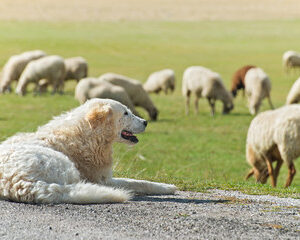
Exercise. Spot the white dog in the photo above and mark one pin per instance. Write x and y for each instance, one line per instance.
(69, 160)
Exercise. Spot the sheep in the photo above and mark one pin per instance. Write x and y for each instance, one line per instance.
(205, 83)
(290, 59)
(89, 88)
(14, 67)
(51, 68)
(161, 80)
(294, 93)
(136, 92)
(76, 68)
(257, 87)
(274, 136)
(238, 79)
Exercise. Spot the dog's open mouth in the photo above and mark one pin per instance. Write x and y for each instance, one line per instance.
(129, 136)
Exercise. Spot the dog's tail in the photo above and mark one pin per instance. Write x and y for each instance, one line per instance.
(78, 193)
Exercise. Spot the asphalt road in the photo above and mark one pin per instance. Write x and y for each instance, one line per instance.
(186, 215)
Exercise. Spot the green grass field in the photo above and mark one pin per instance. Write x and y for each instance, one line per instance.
(194, 152)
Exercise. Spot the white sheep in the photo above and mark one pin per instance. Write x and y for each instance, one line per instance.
(161, 80)
(51, 68)
(257, 87)
(294, 93)
(274, 136)
(14, 67)
(136, 92)
(205, 83)
(76, 68)
(89, 88)
(290, 59)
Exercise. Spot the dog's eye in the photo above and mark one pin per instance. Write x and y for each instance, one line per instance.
(126, 113)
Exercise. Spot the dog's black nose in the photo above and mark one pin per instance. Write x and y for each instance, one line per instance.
(145, 123)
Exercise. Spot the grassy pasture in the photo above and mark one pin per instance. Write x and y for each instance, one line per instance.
(194, 152)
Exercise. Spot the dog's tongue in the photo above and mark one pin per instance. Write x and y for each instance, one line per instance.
(126, 133)
(129, 136)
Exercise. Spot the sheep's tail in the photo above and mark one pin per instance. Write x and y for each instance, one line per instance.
(78, 193)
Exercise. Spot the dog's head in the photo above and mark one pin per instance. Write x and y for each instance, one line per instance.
(115, 119)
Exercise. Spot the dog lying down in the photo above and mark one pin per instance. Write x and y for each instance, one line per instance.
(69, 160)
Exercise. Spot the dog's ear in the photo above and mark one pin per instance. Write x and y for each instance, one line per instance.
(98, 115)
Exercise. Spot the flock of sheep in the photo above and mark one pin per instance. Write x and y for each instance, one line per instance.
(273, 136)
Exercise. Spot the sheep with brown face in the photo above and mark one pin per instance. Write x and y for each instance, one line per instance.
(238, 79)
(274, 136)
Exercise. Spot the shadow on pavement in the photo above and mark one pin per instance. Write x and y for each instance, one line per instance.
(175, 200)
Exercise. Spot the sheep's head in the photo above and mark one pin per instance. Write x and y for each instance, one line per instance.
(261, 175)
(153, 113)
(228, 104)
(234, 92)
(227, 108)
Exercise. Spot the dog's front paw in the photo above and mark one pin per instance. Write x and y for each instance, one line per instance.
(169, 188)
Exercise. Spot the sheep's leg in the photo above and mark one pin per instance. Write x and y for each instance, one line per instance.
(250, 173)
(55, 87)
(292, 172)
(196, 104)
(270, 102)
(271, 171)
(187, 102)
(36, 90)
(61, 87)
(9, 89)
(212, 105)
(277, 169)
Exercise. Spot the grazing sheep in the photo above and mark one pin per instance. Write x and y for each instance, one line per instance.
(161, 80)
(14, 67)
(89, 88)
(290, 59)
(51, 68)
(76, 68)
(205, 83)
(238, 80)
(274, 136)
(294, 93)
(258, 87)
(136, 92)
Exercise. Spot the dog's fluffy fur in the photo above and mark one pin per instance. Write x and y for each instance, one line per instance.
(69, 160)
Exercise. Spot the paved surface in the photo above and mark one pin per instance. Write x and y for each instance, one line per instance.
(186, 215)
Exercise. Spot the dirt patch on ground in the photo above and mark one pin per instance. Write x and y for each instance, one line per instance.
(166, 10)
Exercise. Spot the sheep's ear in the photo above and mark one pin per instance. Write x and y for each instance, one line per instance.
(98, 115)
